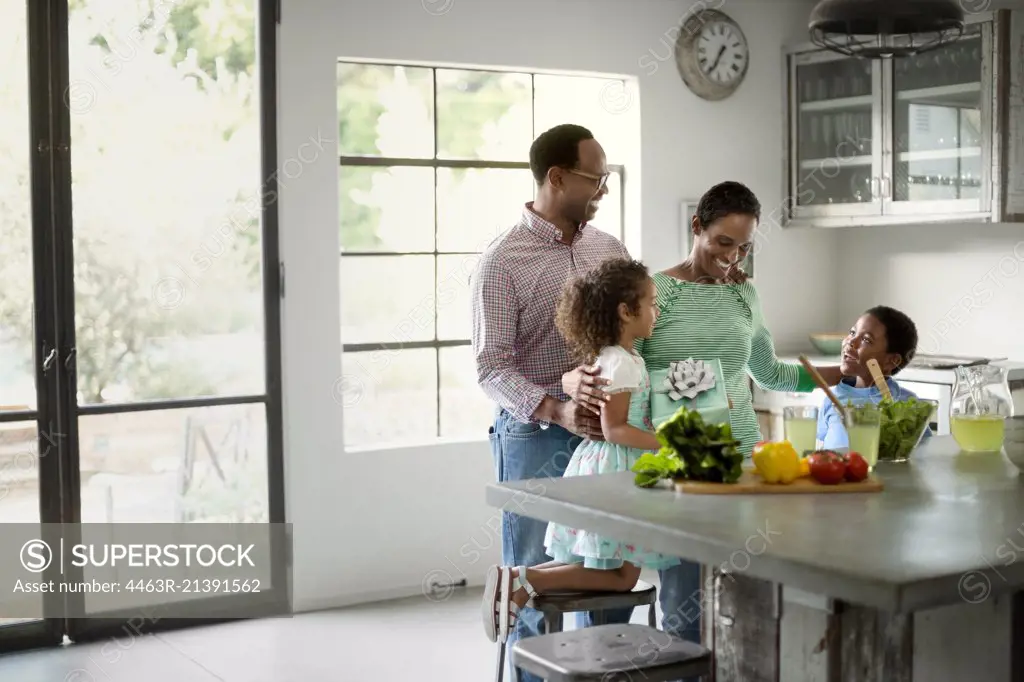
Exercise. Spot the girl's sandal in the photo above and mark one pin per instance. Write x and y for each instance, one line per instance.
(489, 606)
(509, 611)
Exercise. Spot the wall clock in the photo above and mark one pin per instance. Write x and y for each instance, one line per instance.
(712, 54)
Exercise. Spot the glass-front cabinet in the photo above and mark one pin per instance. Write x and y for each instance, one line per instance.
(836, 148)
(938, 103)
(897, 140)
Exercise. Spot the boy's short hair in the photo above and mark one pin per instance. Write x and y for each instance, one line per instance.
(900, 333)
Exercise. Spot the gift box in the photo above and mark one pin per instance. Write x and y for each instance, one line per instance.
(694, 384)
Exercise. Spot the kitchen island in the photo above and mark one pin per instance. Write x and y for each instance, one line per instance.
(918, 582)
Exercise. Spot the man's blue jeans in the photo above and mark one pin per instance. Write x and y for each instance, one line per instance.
(526, 451)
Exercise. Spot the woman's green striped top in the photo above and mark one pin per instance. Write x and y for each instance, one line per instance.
(724, 321)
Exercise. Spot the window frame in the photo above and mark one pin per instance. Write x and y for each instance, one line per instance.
(436, 164)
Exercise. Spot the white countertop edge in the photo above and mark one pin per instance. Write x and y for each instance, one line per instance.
(1014, 369)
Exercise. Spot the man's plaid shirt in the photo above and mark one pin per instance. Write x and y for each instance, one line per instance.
(520, 356)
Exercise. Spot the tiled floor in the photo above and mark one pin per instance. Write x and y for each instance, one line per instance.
(401, 640)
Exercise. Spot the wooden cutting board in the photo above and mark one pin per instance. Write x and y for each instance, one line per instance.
(752, 484)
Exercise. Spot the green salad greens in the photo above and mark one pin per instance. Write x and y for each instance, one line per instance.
(693, 450)
(653, 467)
(903, 422)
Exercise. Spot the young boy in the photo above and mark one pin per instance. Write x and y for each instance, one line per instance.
(882, 333)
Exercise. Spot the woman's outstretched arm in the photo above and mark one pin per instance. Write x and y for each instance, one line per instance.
(766, 368)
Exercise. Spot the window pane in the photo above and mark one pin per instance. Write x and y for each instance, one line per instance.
(387, 299)
(19, 491)
(19, 475)
(200, 465)
(484, 115)
(17, 333)
(206, 464)
(603, 105)
(386, 209)
(167, 235)
(475, 205)
(453, 299)
(609, 215)
(465, 411)
(389, 396)
(385, 111)
(19, 471)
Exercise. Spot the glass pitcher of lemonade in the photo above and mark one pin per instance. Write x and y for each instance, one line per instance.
(980, 407)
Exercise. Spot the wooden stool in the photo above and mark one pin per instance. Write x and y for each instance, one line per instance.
(555, 605)
(611, 653)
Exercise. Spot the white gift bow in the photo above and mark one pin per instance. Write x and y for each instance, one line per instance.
(688, 379)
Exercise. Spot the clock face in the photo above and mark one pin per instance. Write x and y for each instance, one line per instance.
(722, 53)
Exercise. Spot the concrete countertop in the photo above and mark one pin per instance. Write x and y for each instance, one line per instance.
(940, 533)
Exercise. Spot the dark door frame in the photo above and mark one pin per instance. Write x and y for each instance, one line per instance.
(56, 379)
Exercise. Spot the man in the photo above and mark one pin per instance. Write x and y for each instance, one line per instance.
(520, 356)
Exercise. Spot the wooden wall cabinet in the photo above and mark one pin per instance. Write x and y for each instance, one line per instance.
(934, 138)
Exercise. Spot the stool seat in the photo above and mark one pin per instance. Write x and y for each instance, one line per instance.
(571, 602)
(554, 604)
(611, 653)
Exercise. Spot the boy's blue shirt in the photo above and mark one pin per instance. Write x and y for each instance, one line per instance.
(830, 425)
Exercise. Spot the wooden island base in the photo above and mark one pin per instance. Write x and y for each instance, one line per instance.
(764, 632)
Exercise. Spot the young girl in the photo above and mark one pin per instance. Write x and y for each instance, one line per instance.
(600, 315)
(886, 335)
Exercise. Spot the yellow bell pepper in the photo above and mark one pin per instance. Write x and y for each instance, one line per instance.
(777, 462)
(805, 467)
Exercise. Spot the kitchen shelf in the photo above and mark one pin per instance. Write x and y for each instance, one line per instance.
(812, 164)
(943, 95)
(862, 102)
(933, 154)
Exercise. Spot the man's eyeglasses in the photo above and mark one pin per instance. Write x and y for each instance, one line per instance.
(601, 180)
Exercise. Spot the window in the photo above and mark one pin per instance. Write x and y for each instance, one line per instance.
(434, 165)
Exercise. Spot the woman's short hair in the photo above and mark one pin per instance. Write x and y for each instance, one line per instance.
(727, 198)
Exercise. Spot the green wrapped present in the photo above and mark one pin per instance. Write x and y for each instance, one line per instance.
(694, 384)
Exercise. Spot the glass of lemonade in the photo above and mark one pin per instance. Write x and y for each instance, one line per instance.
(864, 431)
(801, 425)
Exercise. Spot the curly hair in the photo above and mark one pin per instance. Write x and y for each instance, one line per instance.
(588, 310)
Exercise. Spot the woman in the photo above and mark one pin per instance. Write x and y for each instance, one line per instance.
(708, 310)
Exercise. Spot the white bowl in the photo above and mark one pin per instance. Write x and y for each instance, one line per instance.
(1013, 443)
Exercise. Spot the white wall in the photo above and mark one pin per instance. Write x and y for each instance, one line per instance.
(962, 284)
(380, 524)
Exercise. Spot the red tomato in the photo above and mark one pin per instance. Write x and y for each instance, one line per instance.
(856, 467)
(827, 467)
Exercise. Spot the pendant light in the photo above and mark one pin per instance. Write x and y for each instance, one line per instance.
(877, 29)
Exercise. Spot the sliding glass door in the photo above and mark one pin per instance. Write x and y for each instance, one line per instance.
(156, 276)
(28, 457)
